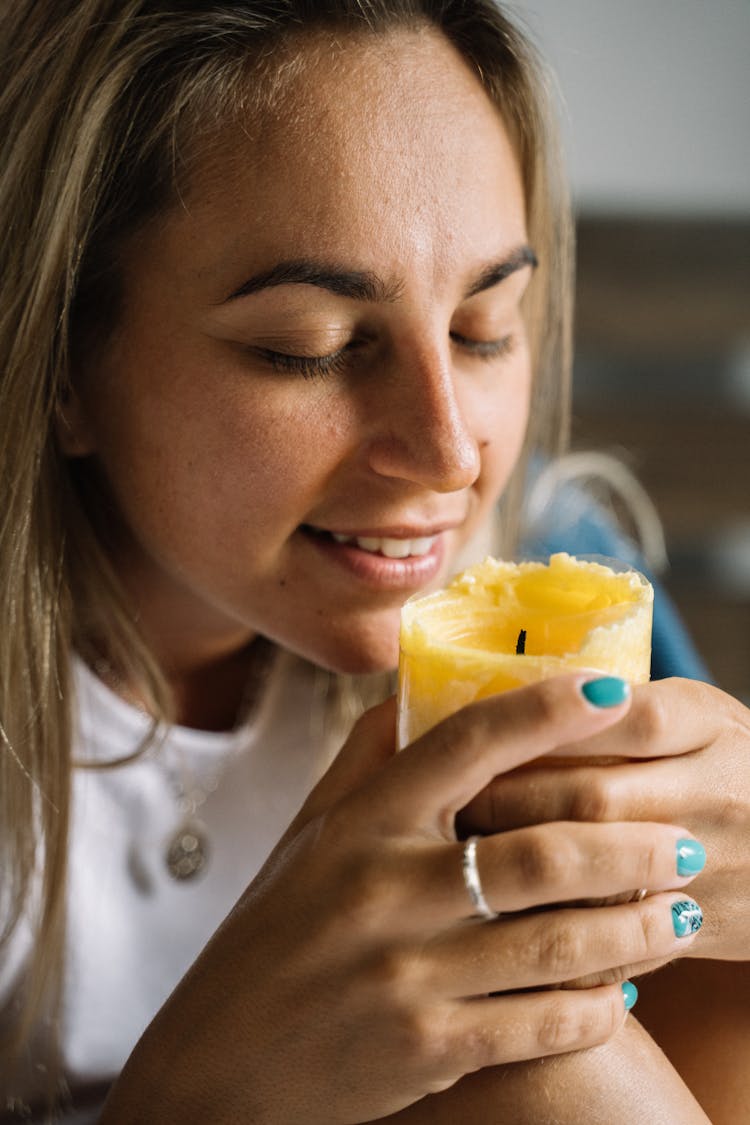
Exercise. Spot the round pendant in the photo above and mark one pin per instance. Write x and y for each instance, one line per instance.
(187, 853)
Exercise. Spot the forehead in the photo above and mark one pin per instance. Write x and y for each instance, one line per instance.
(386, 137)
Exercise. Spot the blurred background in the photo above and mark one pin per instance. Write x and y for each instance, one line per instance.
(655, 97)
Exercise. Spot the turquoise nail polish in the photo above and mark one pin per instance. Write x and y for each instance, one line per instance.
(629, 994)
(691, 857)
(687, 917)
(608, 691)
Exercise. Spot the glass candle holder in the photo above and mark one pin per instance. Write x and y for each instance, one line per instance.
(501, 625)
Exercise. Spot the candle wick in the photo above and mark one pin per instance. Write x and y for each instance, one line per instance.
(521, 643)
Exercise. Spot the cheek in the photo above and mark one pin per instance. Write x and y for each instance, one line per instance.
(213, 454)
(502, 433)
(254, 469)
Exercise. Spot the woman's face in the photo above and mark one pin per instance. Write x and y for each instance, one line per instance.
(319, 382)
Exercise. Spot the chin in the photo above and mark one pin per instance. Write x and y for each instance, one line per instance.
(354, 662)
(354, 652)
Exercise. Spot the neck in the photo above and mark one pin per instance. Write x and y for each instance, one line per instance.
(218, 695)
(212, 695)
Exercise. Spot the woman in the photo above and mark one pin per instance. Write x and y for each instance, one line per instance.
(285, 318)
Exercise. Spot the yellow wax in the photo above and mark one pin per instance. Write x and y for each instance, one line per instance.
(460, 644)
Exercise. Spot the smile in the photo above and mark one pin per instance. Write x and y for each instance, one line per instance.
(388, 546)
(396, 563)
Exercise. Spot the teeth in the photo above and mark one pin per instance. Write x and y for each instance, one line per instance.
(391, 548)
(366, 543)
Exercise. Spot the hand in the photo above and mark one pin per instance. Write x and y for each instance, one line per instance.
(688, 746)
(351, 980)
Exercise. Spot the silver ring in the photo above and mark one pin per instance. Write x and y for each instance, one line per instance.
(638, 896)
(473, 883)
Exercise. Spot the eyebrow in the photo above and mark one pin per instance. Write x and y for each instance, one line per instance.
(498, 271)
(364, 285)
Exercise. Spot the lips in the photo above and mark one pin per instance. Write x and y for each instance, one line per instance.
(398, 563)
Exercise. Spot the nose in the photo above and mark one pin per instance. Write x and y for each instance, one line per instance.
(423, 431)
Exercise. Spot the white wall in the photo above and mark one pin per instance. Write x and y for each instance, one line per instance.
(657, 96)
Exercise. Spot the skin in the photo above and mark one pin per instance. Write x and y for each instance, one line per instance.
(625, 1080)
(218, 460)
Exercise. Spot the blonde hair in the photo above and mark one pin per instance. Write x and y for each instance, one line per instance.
(100, 103)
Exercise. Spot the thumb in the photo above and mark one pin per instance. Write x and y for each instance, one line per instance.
(370, 745)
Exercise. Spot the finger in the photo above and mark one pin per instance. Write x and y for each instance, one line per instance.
(437, 775)
(658, 790)
(496, 1030)
(565, 862)
(544, 793)
(667, 717)
(553, 946)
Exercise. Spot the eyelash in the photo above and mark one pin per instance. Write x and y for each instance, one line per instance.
(486, 349)
(320, 366)
(309, 366)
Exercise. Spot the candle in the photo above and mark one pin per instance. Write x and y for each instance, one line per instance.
(501, 625)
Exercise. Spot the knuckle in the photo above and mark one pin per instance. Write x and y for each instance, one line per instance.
(468, 728)
(593, 800)
(482, 1045)
(648, 864)
(395, 978)
(544, 703)
(567, 1024)
(423, 1036)
(650, 719)
(559, 1027)
(545, 859)
(560, 949)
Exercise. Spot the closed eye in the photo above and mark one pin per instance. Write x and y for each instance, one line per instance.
(485, 349)
(309, 366)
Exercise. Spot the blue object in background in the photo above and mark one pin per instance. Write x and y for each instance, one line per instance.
(575, 523)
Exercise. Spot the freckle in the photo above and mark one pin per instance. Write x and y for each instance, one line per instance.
(484, 444)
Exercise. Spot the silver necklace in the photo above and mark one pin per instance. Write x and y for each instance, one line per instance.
(188, 849)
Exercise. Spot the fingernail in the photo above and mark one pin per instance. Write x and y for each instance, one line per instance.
(608, 691)
(629, 994)
(691, 857)
(687, 917)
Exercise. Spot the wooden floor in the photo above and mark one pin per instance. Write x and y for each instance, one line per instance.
(663, 380)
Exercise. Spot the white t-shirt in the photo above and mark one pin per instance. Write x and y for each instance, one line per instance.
(133, 929)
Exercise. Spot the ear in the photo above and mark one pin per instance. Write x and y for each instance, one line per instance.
(72, 428)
